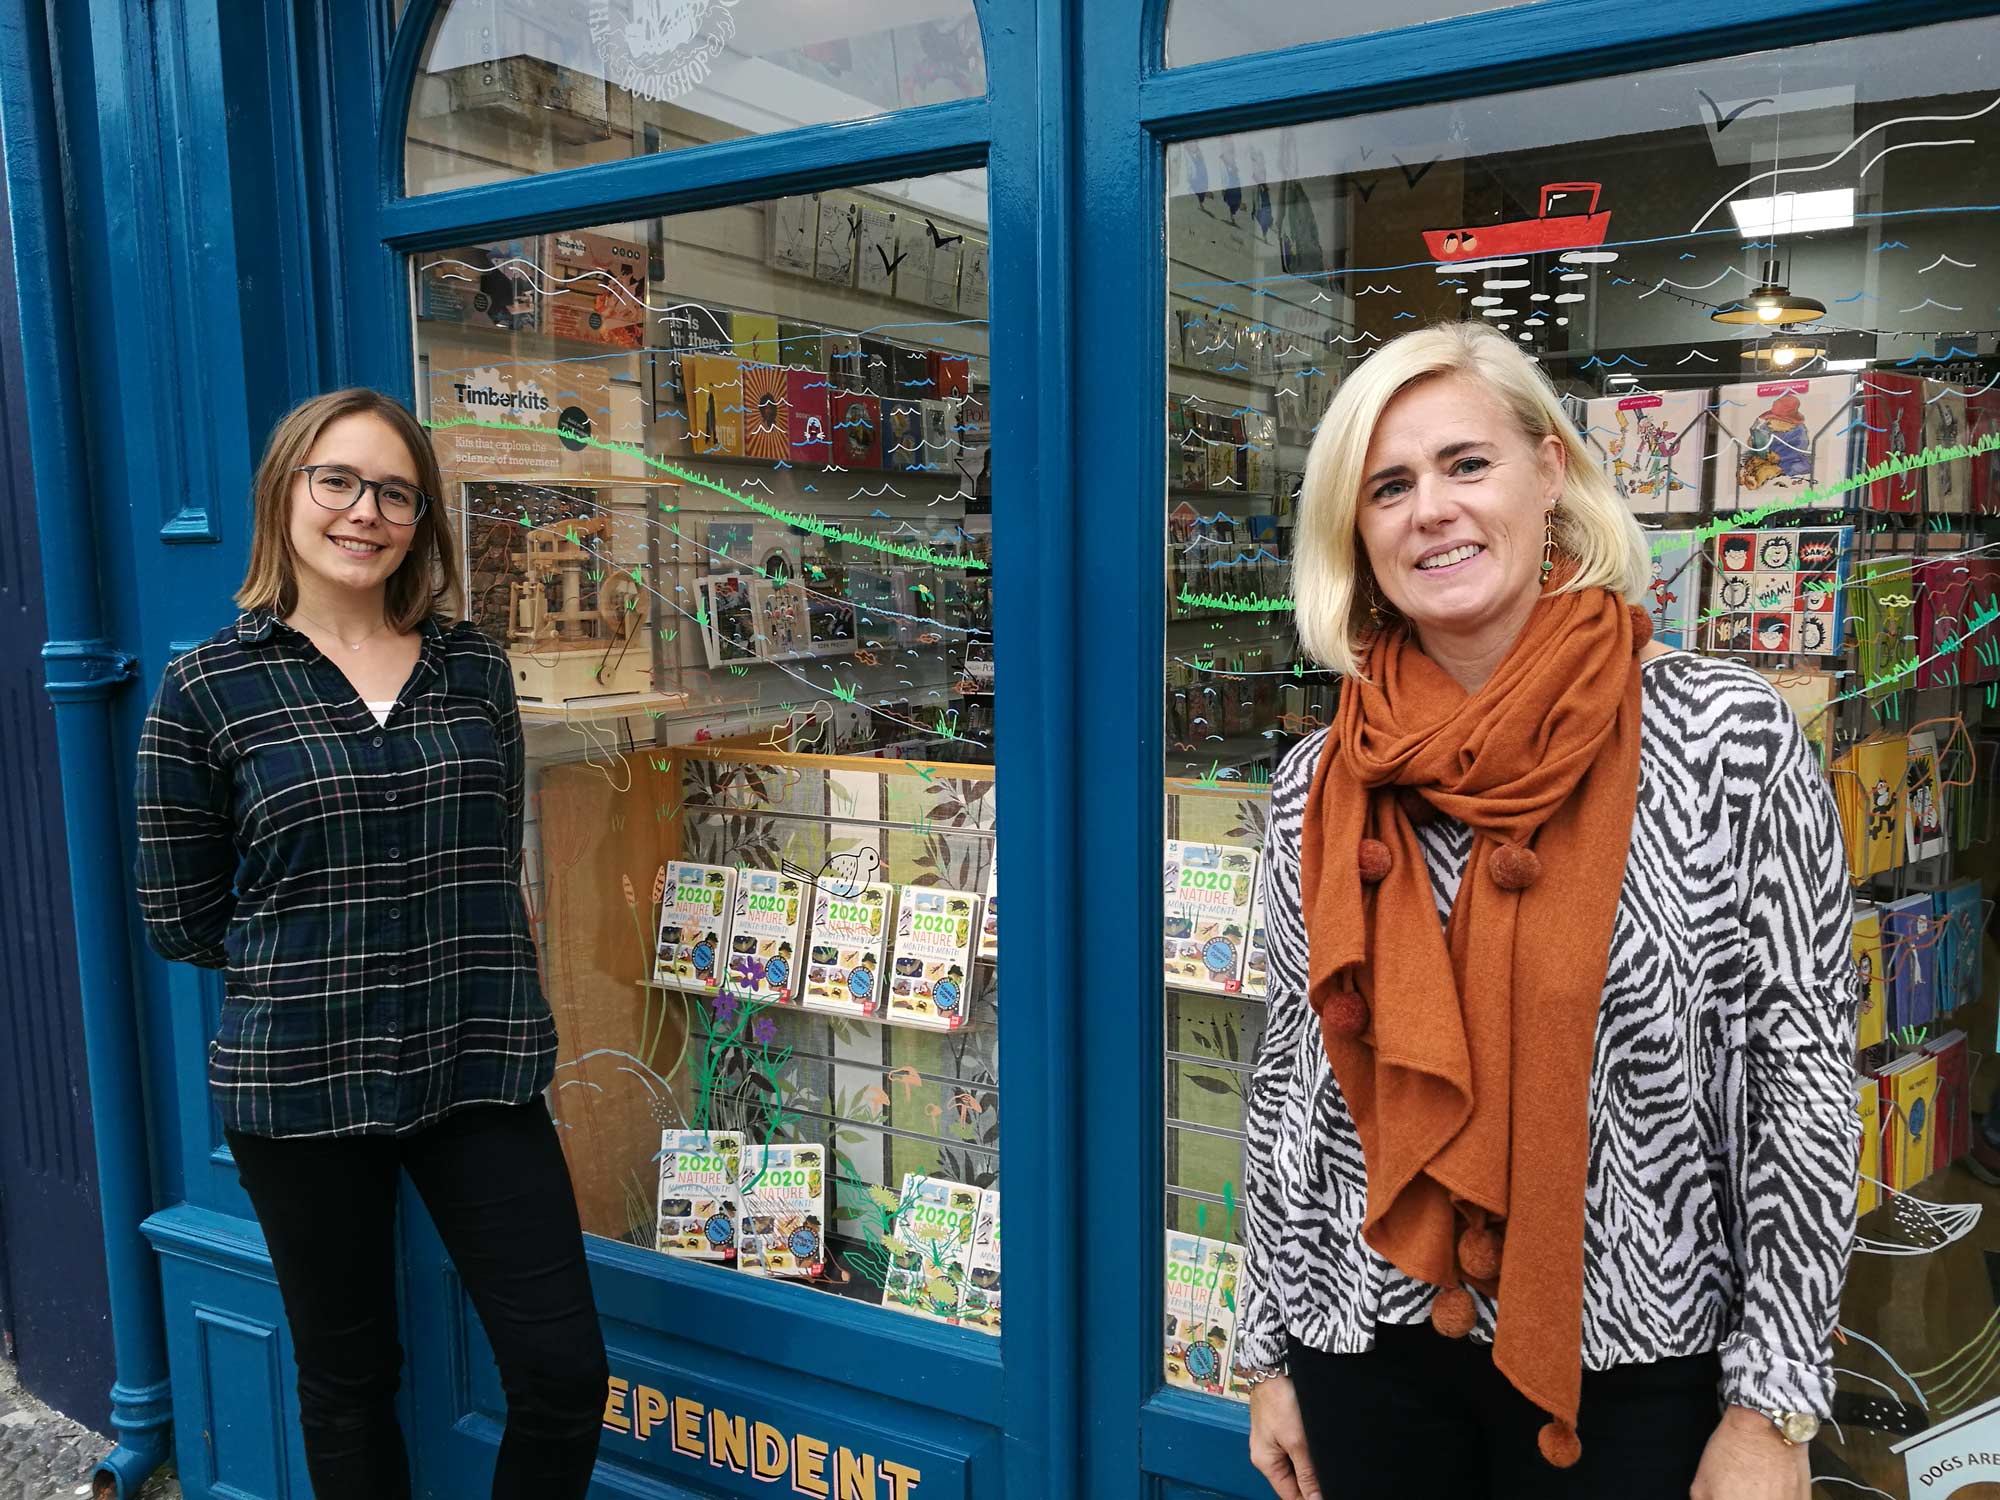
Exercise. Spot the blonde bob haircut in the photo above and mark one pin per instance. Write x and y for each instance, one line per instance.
(427, 581)
(1329, 574)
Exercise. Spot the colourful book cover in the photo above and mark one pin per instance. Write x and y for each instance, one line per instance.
(766, 420)
(1868, 790)
(850, 929)
(1208, 891)
(979, 1306)
(1651, 447)
(1892, 407)
(1256, 957)
(952, 375)
(1944, 599)
(1952, 1133)
(1958, 963)
(1782, 589)
(932, 965)
(1884, 623)
(1948, 482)
(1982, 416)
(694, 924)
(902, 434)
(1868, 1104)
(808, 417)
(783, 1222)
(699, 1171)
(714, 404)
(989, 916)
(1809, 695)
(857, 431)
(766, 936)
(1909, 956)
(801, 346)
(754, 338)
(1923, 804)
(875, 368)
(1915, 1124)
(1201, 1310)
(597, 289)
(1872, 1024)
(930, 1247)
(844, 365)
(1674, 594)
(1776, 439)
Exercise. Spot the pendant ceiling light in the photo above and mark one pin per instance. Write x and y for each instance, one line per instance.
(1771, 305)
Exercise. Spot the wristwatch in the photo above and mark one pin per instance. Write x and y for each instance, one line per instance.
(1795, 1427)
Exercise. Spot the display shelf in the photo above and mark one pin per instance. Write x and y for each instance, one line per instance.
(986, 967)
(610, 706)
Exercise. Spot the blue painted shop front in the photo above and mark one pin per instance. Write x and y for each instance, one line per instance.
(215, 217)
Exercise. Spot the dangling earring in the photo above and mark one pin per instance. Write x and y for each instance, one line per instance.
(1548, 542)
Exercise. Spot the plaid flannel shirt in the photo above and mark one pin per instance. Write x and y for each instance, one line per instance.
(359, 882)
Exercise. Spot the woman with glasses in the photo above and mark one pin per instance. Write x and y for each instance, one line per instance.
(330, 811)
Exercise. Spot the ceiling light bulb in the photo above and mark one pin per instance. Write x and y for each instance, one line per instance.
(1769, 312)
(1783, 355)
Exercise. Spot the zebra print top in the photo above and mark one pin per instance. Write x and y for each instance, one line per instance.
(1724, 1139)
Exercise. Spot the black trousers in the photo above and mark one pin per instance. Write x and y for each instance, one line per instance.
(1424, 1417)
(496, 1186)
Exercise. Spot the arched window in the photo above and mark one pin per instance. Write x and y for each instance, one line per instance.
(511, 88)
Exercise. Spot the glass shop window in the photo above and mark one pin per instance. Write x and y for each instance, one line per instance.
(1200, 31)
(722, 483)
(1763, 286)
(510, 88)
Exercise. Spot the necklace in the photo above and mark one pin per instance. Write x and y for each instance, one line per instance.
(350, 645)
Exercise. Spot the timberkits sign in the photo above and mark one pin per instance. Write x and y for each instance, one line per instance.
(750, 1444)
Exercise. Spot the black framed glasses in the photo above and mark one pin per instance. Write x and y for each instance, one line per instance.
(337, 487)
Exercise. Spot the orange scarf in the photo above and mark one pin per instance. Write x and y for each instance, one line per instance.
(1464, 1052)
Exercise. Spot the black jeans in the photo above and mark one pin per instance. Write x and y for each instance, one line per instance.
(494, 1181)
(1424, 1417)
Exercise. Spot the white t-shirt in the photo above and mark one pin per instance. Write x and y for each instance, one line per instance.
(380, 710)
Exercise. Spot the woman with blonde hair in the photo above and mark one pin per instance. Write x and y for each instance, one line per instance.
(1552, 1136)
(330, 811)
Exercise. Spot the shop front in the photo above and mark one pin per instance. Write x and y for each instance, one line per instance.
(818, 391)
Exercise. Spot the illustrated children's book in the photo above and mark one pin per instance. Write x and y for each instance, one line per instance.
(1923, 805)
(783, 1197)
(979, 1307)
(1675, 592)
(1201, 1310)
(767, 936)
(694, 922)
(1960, 908)
(930, 1247)
(989, 917)
(1868, 790)
(1947, 482)
(1909, 1109)
(1810, 697)
(1651, 447)
(1781, 590)
(714, 387)
(1868, 1104)
(699, 1171)
(1892, 414)
(1885, 620)
(1909, 955)
(1777, 439)
(1952, 1134)
(1208, 889)
(1873, 1022)
(931, 978)
(844, 961)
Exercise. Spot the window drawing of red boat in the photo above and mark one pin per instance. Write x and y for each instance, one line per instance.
(1522, 236)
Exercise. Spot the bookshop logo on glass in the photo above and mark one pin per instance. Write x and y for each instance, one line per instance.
(660, 49)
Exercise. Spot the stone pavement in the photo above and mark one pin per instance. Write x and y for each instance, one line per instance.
(44, 1455)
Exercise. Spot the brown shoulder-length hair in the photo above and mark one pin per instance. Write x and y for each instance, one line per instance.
(427, 581)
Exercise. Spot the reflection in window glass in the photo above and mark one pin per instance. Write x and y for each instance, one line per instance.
(722, 482)
(1762, 285)
(1200, 31)
(509, 88)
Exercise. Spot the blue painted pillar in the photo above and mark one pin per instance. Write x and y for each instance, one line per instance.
(84, 671)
